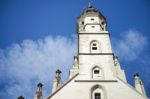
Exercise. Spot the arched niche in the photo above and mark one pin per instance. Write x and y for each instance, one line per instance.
(95, 47)
(98, 92)
(97, 72)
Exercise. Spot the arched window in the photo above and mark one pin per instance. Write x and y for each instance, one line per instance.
(95, 47)
(96, 72)
(97, 92)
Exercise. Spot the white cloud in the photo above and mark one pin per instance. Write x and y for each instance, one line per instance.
(23, 65)
(130, 45)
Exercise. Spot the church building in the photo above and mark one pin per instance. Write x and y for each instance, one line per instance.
(96, 72)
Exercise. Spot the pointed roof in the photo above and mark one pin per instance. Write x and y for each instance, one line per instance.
(39, 84)
(90, 10)
(136, 74)
(20, 97)
(58, 71)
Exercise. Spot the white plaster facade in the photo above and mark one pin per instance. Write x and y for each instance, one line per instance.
(96, 72)
(83, 89)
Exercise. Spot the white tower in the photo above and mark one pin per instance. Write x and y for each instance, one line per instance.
(94, 49)
(96, 71)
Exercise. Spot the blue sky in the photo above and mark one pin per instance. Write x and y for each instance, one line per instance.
(31, 29)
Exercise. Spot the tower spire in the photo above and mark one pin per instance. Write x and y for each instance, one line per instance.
(120, 73)
(75, 68)
(57, 81)
(139, 84)
(90, 4)
(38, 94)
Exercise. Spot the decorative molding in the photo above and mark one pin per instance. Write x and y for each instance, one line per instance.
(96, 81)
(95, 53)
(94, 33)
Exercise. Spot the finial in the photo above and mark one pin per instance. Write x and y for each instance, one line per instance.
(90, 5)
(58, 71)
(75, 57)
(115, 57)
(136, 74)
(20, 97)
(39, 84)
